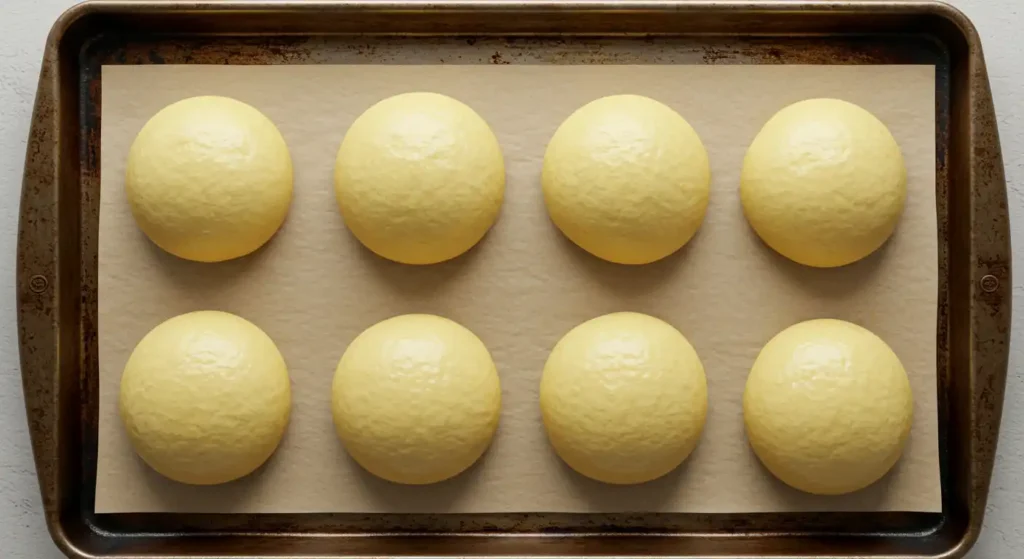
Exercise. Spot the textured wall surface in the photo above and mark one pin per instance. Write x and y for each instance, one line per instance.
(23, 28)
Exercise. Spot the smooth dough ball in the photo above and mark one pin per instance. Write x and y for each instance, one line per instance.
(205, 397)
(623, 398)
(823, 183)
(209, 179)
(416, 399)
(827, 407)
(626, 179)
(419, 178)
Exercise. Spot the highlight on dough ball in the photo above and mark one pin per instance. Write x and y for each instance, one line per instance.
(419, 178)
(205, 397)
(626, 179)
(416, 399)
(828, 407)
(209, 179)
(623, 398)
(823, 183)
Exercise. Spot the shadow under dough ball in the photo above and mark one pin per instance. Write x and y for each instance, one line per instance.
(827, 407)
(205, 397)
(416, 399)
(623, 398)
(627, 179)
(823, 183)
(209, 179)
(419, 178)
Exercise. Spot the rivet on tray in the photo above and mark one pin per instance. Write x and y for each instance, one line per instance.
(989, 283)
(38, 284)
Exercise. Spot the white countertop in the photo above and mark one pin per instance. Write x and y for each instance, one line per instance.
(23, 28)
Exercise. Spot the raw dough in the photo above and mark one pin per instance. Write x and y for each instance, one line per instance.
(205, 397)
(416, 399)
(419, 178)
(823, 183)
(209, 179)
(627, 179)
(623, 397)
(827, 407)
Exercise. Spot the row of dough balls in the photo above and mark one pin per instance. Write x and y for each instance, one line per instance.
(416, 399)
(420, 179)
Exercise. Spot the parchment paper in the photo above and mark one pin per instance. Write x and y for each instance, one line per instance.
(313, 288)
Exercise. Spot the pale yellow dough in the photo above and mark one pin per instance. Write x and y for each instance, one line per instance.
(623, 398)
(823, 183)
(419, 178)
(209, 179)
(416, 399)
(205, 397)
(627, 179)
(827, 407)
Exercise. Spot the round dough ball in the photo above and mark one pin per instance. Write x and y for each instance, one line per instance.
(823, 183)
(205, 397)
(626, 179)
(623, 397)
(416, 399)
(209, 179)
(419, 178)
(827, 407)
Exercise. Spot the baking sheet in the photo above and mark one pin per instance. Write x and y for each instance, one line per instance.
(313, 288)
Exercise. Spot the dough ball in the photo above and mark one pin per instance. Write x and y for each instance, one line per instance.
(205, 397)
(419, 178)
(627, 179)
(827, 407)
(623, 398)
(209, 179)
(416, 399)
(823, 183)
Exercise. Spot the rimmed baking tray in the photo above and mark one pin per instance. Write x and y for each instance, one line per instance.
(57, 265)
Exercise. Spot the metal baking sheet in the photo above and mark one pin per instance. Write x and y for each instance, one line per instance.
(58, 272)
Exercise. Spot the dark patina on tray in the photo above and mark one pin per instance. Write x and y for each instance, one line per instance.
(57, 265)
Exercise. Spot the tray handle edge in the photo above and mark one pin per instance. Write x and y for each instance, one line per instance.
(990, 288)
(37, 285)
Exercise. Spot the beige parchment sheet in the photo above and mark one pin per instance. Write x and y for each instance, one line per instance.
(313, 288)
